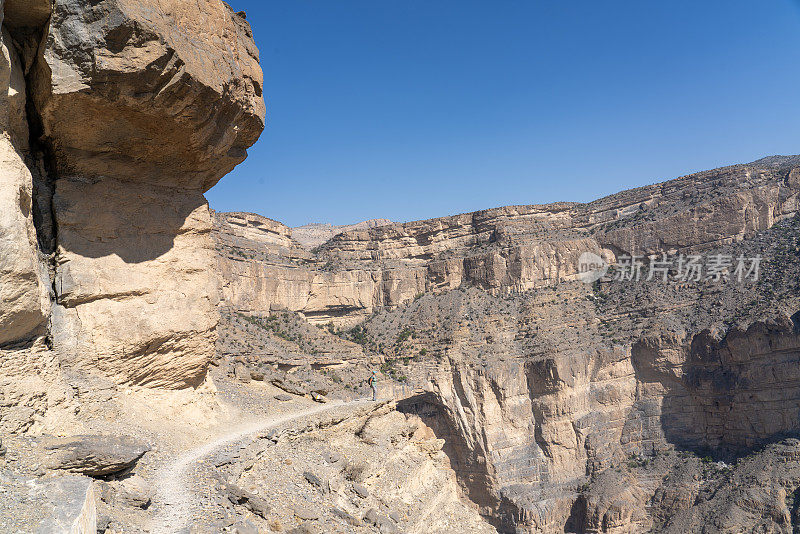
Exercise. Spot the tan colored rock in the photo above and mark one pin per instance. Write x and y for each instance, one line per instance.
(266, 233)
(33, 397)
(135, 284)
(24, 299)
(559, 404)
(13, 118)
(315, 234)
(167, 92)
(726, 219)
(409, 481)
(503, 250)
(144, 106)
(359, 272)
(723, 391)
(95, 455)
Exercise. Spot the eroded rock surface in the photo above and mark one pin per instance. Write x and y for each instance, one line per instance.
(566, 406)
(23, 280)
(315, 234)
(58, 504)
(167, 92)
(171, 96)
(501, 250)
(382, 471)
(553, 405)
(95, 456)
(117, 116)
(136, 289)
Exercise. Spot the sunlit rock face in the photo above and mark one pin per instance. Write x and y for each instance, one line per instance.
(164, 92)
(117, 116)
(136, 286)
(501, 250)
(24, 300)
(169, 99)
(566, 406)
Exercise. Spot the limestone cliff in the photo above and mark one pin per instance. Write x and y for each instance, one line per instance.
(509, 249)
(315, 234)
(116, 116)
(560, 406)
(23, 287)
(566, 406)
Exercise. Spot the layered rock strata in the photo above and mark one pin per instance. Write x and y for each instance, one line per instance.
(314, 235)
(117, 116)
(567, 406)
(502, 250)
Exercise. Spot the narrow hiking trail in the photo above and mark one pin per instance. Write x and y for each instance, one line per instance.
(177, 482)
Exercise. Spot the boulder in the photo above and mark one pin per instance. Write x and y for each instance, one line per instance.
(345, 516)
(380, 521)
(332, 457)
(314, 480)
(72, 501)
(306, 511)
(257, 376)
(361, 491)
(167, 92)
(94, 455)
(290, 386)
(240, 496)
(241, 373)
(134, 492)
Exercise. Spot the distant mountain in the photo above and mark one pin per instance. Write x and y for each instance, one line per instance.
(315, 234)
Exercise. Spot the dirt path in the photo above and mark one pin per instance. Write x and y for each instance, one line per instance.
(176, 483)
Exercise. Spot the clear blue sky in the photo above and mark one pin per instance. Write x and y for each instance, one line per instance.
(410, 109)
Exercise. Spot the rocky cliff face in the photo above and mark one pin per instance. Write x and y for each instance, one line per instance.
(116, 116)
(560, 406)
(168, 93)
(314, 235)
(23, 287)
(565, 406)
(510, 249)
(361, 271)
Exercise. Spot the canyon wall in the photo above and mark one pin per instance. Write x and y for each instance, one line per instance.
(316, 234)
(509, 249)
(117, 116)
(550, 393)
(533, 438)
(346, 280)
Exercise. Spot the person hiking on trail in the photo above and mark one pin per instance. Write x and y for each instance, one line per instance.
(373, 382)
